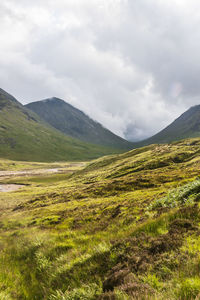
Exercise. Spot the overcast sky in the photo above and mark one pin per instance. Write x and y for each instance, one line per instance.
(133, 65)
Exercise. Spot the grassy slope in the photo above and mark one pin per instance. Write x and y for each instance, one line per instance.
(186, 126)
(11, 165)
(125, 227)
(23, 136)
(75, 123)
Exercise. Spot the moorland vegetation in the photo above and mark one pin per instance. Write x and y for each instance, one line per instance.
(124, 226)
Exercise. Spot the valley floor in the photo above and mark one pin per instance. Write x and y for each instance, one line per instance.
(122, 227)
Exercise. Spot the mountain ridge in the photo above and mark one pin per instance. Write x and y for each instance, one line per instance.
(187, 125)
(74, 122)
(24, 136)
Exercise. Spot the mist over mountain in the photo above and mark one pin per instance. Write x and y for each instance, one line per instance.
(185, 126)
(75, 123)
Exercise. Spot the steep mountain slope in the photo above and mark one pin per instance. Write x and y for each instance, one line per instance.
(75, 123)
(125, 227)
(24, 136)
(186, 126)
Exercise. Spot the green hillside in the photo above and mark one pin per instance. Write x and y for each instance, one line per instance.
(23, 136)
(75, 123)
(186, 126)
(125, 227)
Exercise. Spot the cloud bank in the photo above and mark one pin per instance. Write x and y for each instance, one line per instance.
(131, 65)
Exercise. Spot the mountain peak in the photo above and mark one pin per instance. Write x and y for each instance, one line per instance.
(75, 123)
(24, 136)
(193, 108)
(52, 99)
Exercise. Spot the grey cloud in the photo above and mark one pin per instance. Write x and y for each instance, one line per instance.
(131, 65)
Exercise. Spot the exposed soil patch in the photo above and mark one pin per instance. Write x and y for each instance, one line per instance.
(36, 172)
(5, 188)
(28, 172)
(142, 252)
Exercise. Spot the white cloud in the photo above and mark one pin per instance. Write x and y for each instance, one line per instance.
(131, 65)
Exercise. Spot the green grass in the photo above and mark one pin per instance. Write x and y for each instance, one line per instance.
(23, 136)
(186, 126)
(122, 227)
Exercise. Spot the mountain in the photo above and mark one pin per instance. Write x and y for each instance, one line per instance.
(75, 123)
(186, 126)
(24, 136)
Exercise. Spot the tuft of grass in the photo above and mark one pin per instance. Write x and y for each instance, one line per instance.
(86, 292)
(189, 288)
(184, 195)
(153, 281)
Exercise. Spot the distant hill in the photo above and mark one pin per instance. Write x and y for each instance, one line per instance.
(186, 126)
(75, 123)
(24, 136)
